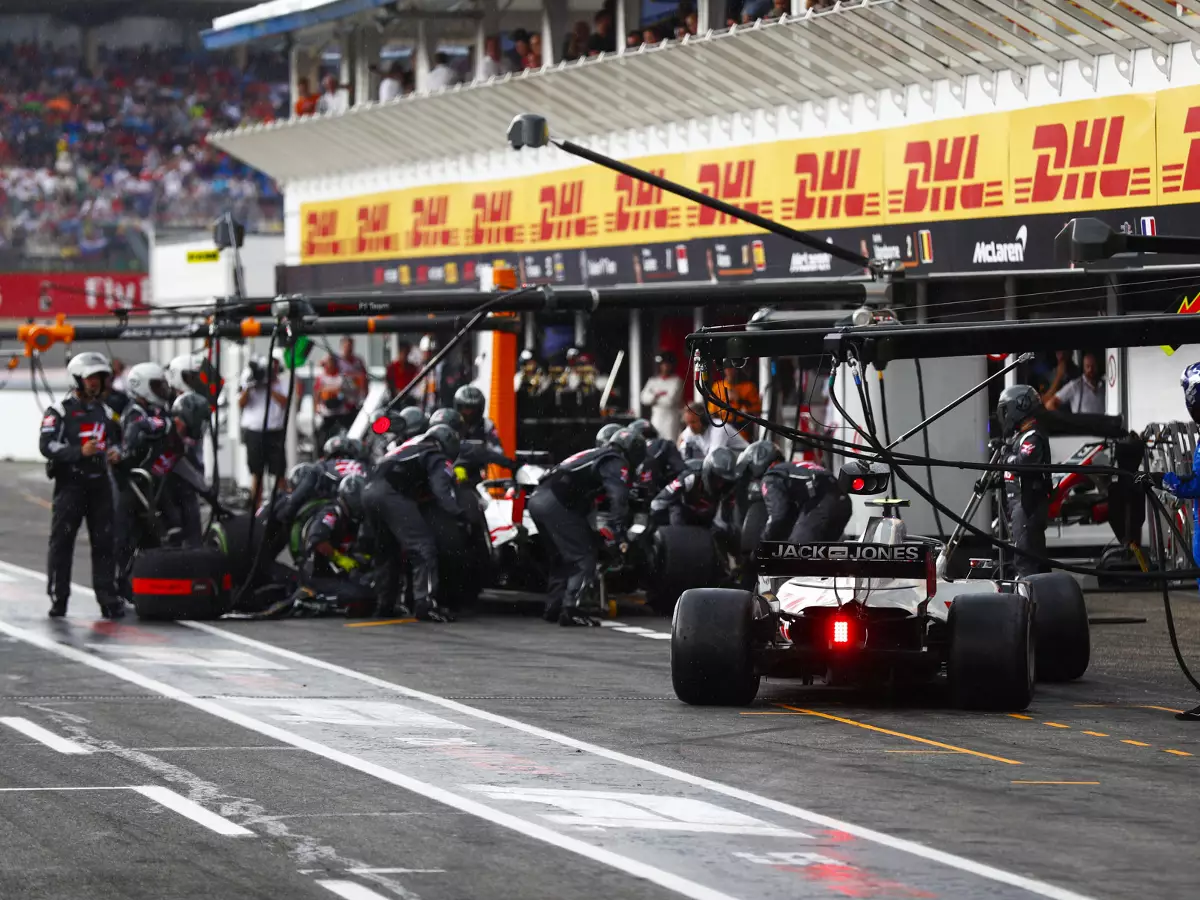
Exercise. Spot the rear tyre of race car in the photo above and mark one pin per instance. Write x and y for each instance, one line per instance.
(991, 658)
(171, 583)
(1061, 632)
(710, 648)
(685, 557)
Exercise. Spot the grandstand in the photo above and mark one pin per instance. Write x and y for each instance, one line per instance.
(103, 124)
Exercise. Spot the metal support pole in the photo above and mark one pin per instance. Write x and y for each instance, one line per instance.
(1010, 315)
(635, 360)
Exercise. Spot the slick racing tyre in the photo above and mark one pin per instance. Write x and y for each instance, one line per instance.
(1061, 633)
(710, 648)
(684, 557)
(181, 583)
(992, 652)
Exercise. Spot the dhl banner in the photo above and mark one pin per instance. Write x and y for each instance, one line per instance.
(1136, 151)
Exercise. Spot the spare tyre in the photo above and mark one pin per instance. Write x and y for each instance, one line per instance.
(181, 583)
(684, 557)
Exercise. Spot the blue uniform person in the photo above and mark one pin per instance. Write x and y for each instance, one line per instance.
(1187, 485)
(79, 440)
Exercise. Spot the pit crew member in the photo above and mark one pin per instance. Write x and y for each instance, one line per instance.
(77, 440)
(699, 493)
(330, 570)
(560, 506)
(804, 501)
(1187, 485)
(416, 471)
(1026, 495)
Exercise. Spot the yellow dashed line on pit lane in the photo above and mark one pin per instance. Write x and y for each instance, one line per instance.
(380, 622)
(900, 734)
(1129, 741)
(1056, 782)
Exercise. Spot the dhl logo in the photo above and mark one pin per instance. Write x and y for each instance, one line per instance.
(429, 227)
(1185, 176)
(320, 230)
(373, 235)
(639, 207)
(493, 225)
(941, 176)
(562, 213)
(731, 182)
(1073, 165)
(827, 188)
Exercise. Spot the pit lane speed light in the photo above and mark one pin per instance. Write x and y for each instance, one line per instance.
(862, 477)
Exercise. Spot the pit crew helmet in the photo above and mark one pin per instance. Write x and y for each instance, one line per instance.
(350, 493)
(296, 473)
(147, 382)
(469, 401)
(448, 417)
(719, 471)
(604, 435)
(757, 458)
(183, 372)
(339, 447)
(193, 410)
(644, 428)
(415, 421)
(1190, 382)
(446, 438)
(86, 365)
(631, 445)
(1017, 403)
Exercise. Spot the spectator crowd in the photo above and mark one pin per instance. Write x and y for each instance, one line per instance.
(89, 160)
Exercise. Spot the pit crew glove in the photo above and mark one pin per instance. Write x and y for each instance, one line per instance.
(344, 562)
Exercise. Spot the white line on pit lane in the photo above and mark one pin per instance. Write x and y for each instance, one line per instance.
(42, 736)
(351, 890)
(192, 810)
(639, 631)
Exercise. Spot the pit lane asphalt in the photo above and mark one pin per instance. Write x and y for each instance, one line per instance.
(1118, 819)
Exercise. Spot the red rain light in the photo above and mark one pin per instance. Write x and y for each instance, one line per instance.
(858, 484)
(381, 425)
(841, 631)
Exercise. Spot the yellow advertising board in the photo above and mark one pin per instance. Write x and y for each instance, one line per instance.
(1136, 150)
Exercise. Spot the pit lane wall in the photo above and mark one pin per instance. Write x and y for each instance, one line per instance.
(967, 193)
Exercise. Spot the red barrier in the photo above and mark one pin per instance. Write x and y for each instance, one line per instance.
(42, 294)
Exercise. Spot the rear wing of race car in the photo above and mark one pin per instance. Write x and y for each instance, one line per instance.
(847, 559)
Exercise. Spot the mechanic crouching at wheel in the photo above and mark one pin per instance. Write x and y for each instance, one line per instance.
(699, 493)
(560, 506)
(804, 502)
(418, 469)
(1026, 495)
(78, 438)
(330, 576)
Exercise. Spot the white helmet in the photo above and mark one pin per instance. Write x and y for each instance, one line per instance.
(182, 370)
(148, 382)
(84, 365)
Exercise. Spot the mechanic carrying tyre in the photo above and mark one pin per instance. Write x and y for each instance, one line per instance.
(78, 440)
(1026, 495)
(560, 506)
(418, 469)
(804, 502)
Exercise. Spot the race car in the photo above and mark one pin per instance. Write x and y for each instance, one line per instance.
(878, 610)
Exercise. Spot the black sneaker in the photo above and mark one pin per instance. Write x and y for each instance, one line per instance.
(552, 611)
(429, 611)
(575, 618)
(58, 609)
